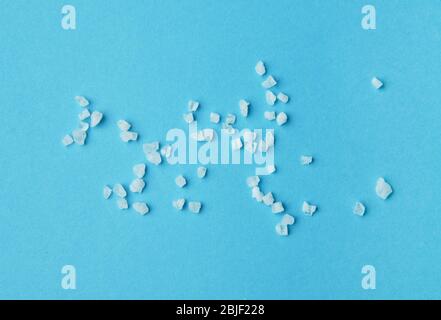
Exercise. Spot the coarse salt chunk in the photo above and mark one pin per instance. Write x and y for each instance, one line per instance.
(277, 207)
(82, 101)
(119, 190)
(137, 185)
(122, 203)
(268, 199)
(178, 204)
(269, 115)
(127, 136)
(260, 68)
(107, 192)
(194, 206)
(287, 219)
(376, 83)
(269, 82)
(282, 97)
(141, 207)
(150, 147)
(201, 172)
(383, 189)
(67, 140)
(139, 170)
(79, 136)
(306, 160)
(257, 194)
(359, 209)
(270, 97)
(166, 151)
(208, 134)
(270, 169)
(180, 181)
(230, 119)
(214, 117)
(84, 114)
(253, 181)
(154, 157)
(84, 126)
(228, 129)
(188, 117)
(281, 229)
(308, 209)
(282, 118)
(236, 144)
(95, 118)
(193, 105)
(123, 125)
(244, 107)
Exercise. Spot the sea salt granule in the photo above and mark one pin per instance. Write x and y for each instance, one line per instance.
(269, 82)
(84, 126)
(244, 106)
(308, 209)
(139, 170)
(277, 207)
(376, 83)
(270, 169)
(188, 117)
(208, 134)
(282, 118)
(82, 101)
(281, 229)
(260, 68)
(257, 194)
(270, 98)
(107, 192)
(282, 97)
(95, 118)
(383, 189)
(84, 114)
(359, 209)
(228, 129)
(79, 136)
(166, 151)
(306, 160)
(178, 204)
(193, 105)
(269, 115)
(236, 144)
(180, 181)
(119, 190)
(201, 172)
(127, 136)
(123, 125)
(150, 147)
(67, 140)
(253, 181)
(122, 203)
(141, 207)
(230, 119)
(287, 219)
(268, 199)
(137, 185)
(154, 157)
(214, 117)
(194, 206)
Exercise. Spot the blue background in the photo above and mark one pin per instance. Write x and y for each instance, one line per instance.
(142, 61)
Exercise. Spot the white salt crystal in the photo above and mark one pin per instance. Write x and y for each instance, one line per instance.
(82, 101)
(269, 82)
(376, 83)
(236, 144)
(270, 169)
(95, 118)
(270, 98)
(119, 190)
(139, 170)
(282, 97)
(260, 68)
(308, 209)
(150, 147)
(228, 129)
(166, 151)
(79, 136)
(180, 181)
(383, 189)
(193, 105)
(306, 160)
(282, 229)
(178, 204)
(208, 134)
(201, 172)
(127, 136)
(269, 139)
(137, 185)
(281, 118)
(194, 206)
(244, 106)
(84, 126)
(268, 199)
(287, 219)
(107, 192)
(277, 207)
(122, 203)
(253, 181)
(230, 119)
(255, 192)
(141, 207)
(67, 140)
(214, 117)
(154, 157)
(188, 117)
(269, 115)
(123, 125)
(84, 114)
(359, 209)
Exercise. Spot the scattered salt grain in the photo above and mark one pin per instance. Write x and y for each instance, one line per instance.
(193, 105)
(84, 114)
(67, 140)
(123, 125)
(82, 101)
(287, 219)
(178, 204)
(201, 172)
(188, 117)
(154, 157)
(141, 207)
(214, 117)
(282, 118)
(127, 136)
(79, 136)
(270, 98)
(270, 169)
(194, 206)
(359, 209)
(139, 170)
(119, 190)
(269, 115)
(122, 203)
(166, 151)
(180, 181)
(306, 160)
(150, 147)
(376, 83)
(282, 97)
(268, 199)
(137, 185)
(84, 126)
(383, 189)
(230, 119)
(257, 194)
(277, 207)
(269, 82)
(244, 107)
(95, 118)
(107, 192)
(308, 209)
(260, 68)
(282, 229)
(253, 181)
